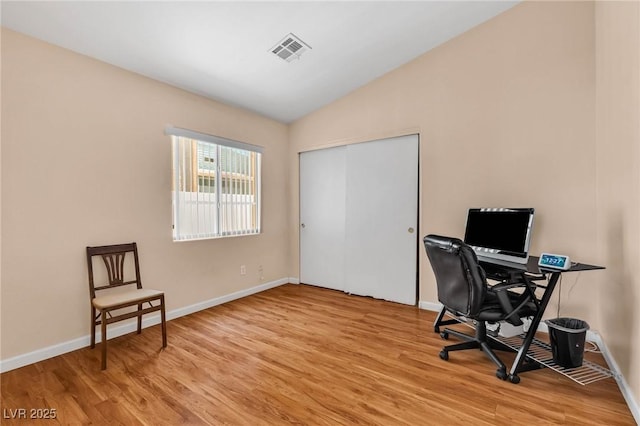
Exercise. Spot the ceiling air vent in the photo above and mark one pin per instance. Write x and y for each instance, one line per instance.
(290, 48)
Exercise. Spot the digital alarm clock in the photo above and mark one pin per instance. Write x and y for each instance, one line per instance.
(554, 261)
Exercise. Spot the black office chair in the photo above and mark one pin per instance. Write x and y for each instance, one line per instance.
(463, 290)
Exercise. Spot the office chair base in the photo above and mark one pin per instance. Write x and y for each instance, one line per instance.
(478, 341)
(501, 374)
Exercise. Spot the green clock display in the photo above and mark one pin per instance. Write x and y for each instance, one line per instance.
(554, 261)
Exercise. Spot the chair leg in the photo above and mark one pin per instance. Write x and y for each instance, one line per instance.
(163, 319)
(471, 344)
(139, 318)
(440, 322)
(436, 324)
(479, 341)
(104, 340)
(458, 334)
(489, 352)
(93, 327)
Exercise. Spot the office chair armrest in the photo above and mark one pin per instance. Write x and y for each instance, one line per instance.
(509, 285)
(523, 282)
(502, 293)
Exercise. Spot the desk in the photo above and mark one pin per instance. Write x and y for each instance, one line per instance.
(503, 271)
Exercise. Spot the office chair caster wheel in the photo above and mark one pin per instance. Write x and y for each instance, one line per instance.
(501, 374)
(514, 379)
(436, 329)
(444, 355)
(444, 335)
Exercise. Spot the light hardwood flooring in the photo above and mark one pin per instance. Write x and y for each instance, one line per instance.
(298, 354)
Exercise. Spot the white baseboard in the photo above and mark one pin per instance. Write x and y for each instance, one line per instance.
(294, 280)
(429, 306)
(147, 321)
(592, 336)
(627, 393)
(177, 313)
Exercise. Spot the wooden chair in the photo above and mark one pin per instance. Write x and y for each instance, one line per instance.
(103, 307)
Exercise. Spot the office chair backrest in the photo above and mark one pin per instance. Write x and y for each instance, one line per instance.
(461, 281)
(113, 257)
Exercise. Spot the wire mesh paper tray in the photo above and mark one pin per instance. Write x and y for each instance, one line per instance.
(540, 352)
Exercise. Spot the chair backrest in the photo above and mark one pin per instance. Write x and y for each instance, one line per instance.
(113, 257)
(461, 282)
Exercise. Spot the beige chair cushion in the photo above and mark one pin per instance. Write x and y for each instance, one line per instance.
(130, 296)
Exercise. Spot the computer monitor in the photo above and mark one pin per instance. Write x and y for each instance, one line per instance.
(500, 233)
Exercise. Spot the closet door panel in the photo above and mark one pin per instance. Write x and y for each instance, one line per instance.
(322, 217)
(381, 219)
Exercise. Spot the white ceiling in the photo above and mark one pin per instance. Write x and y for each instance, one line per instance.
(222, 50)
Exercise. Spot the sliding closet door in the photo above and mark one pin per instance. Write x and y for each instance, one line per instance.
(381, 219)
(322, 217)
(358, 218)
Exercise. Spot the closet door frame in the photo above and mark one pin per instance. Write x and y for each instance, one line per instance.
(405, 224)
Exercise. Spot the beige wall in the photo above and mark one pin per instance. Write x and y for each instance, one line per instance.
(505, 111)
(85, 162)
(618, 181)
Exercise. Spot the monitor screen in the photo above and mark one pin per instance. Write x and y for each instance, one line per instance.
(500, 233)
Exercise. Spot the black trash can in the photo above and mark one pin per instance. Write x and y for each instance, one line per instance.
(567, 337)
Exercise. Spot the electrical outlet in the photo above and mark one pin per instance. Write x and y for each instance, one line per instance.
(243, 270)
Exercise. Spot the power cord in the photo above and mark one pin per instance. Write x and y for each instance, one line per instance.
(574, 283)
(594, 348)
(559, 295)
(560, 290)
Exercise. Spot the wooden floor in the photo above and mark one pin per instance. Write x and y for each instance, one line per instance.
(303, 355)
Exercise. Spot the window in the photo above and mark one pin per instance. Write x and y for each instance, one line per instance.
(215, 185)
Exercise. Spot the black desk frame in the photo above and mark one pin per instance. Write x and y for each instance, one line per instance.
(531, 273)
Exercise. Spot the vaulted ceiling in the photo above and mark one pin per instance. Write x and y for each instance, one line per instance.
(223, 50)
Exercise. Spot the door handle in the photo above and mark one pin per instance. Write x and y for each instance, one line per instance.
(410, 230)
(302, 225)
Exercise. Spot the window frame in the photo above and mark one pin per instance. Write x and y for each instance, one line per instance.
(254, 151)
